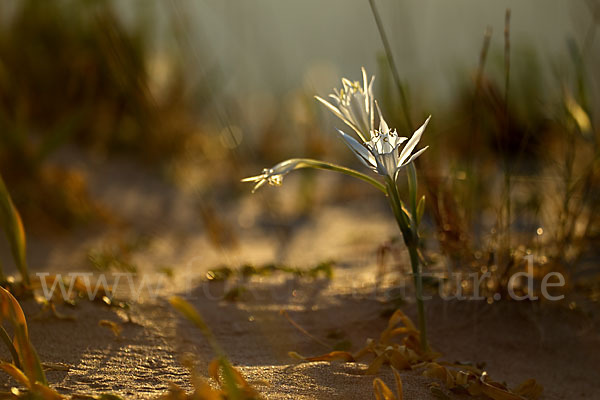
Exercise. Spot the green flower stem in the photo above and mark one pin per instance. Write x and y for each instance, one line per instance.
(418, 281)
(411, 239)
(399, 213)
(310, 163)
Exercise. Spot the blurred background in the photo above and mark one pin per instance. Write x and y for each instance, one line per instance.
(139, 118)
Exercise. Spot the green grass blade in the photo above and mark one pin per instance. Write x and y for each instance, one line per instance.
(229, 375)
(30, 361)
(13, 228)
(2, 276)
(11, 311)
(9, 344)
(190, 313)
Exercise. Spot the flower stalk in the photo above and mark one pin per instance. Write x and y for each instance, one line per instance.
(274, 176)
(408, 225)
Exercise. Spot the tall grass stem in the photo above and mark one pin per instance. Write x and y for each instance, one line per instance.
(392, 64)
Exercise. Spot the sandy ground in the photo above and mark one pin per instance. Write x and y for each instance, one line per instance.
(546, 341)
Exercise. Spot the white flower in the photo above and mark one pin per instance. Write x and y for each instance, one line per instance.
(382, 153)
(353, 104)
(273, 176)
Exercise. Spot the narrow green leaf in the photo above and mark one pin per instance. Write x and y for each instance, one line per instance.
(420, 210)
(11, 347)
(229, 377)
(29, 358)
(16, 373)
(13, 228)
(412, 188)
(189, 312)
(11, 310)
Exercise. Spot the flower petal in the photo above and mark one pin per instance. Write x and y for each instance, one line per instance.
(341, 115)
(383, 126)
(332, 108)
(413, 157)
(412, 143)
(361, 152)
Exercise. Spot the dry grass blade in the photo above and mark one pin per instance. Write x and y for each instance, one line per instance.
(437, 371)
(332, 356)
(391, 330)
(530, 389)
(113, 326)
(301, 329)
(409, 355)
(479, 383)
(398, 383)
(399, 356)
(16, 373)
(375, 365)
(382, 391)
(45, 392)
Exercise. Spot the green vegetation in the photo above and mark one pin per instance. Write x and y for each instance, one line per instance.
(510, 181)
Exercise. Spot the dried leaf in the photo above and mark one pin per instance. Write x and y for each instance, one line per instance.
(50, 366)
(113, 326)
(60, 315)
(397, 317)
(332, 356)
(529, 389)
(579, 115)
(301, 329)
(375, 365)
(382, 391)
(213, 370)
(16, 373)
(437, 371)
(45, 392)
(398, 380)
(437, 392)
(398, 360)
(497, 393)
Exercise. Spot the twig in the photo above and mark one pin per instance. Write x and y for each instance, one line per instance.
(507, 171)
(487, 36)
(301, 329)
(392, 64)
(474, 118)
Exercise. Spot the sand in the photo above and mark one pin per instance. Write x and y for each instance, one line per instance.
(515, 341)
